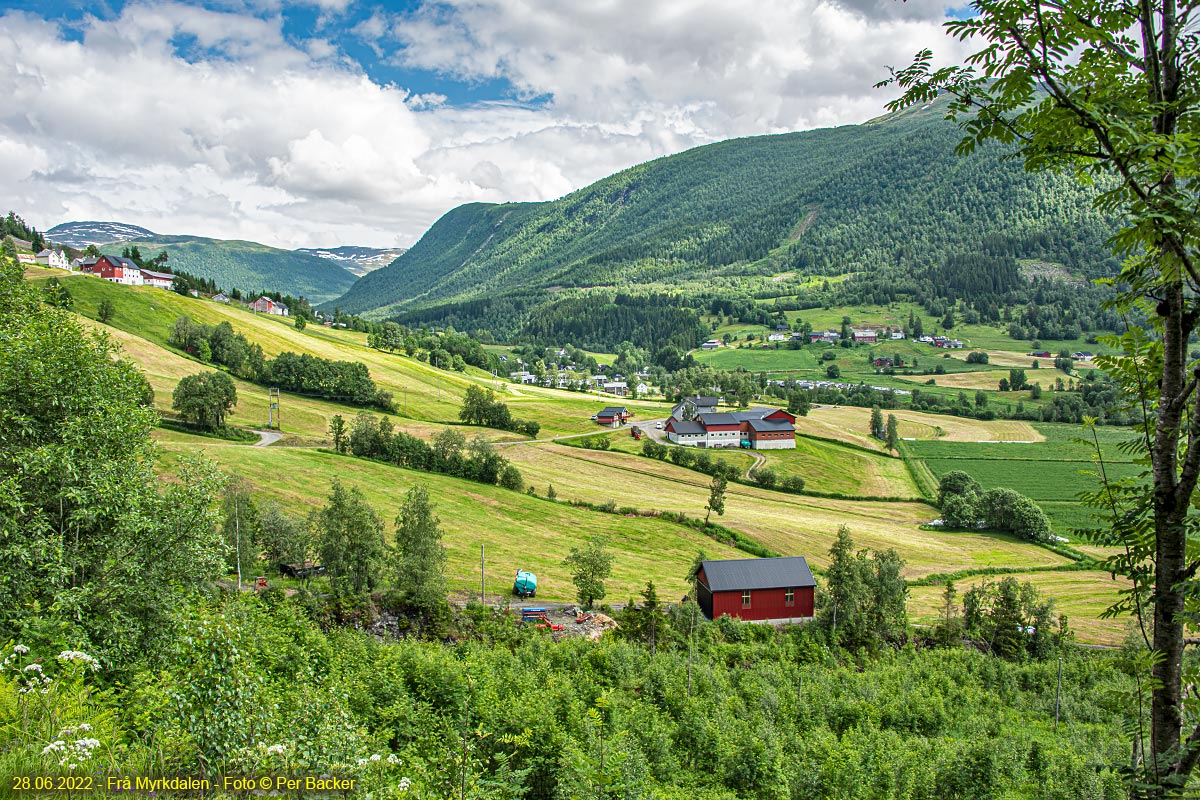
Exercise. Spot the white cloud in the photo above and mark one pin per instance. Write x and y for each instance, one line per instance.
(187, 120)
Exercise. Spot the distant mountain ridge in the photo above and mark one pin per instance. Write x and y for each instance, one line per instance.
(358, 260)
(80, 234)
(885, 196)
(248, 266)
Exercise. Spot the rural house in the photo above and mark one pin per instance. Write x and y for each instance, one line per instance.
(867, 336)
(689, 407)
(53, 258)
(118, 269)
(265, 305)
(757, 589)
(711, 344)
(613, 416)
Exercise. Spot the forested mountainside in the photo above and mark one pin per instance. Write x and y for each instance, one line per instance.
(248, 266)
(888, 201)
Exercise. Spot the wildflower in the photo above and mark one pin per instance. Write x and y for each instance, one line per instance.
(404, 784)
(375, 757)
(361, 761)
(276, 750)
(20, 649)
(393, 759)
(32, 668)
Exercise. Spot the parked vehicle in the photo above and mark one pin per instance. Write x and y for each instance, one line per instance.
(525, 584)
(635, 432)
(658, 425)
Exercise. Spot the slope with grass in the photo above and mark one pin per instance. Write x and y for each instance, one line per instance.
(519, 531)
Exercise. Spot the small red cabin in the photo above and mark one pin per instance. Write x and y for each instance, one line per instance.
(762, 589)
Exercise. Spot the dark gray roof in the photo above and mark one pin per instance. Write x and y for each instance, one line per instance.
(612, 410)
(160, 275)
(771, 425)
(680, 426)
(758, 573)
(719, 419)
(758, 412)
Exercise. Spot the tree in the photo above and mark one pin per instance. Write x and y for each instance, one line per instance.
(893, 432)
(764, 477)
(205, 400)
(281, 537)
(1016, 379)
(421, 558)
(590, 567)
(833, 371)
(877, 427)
(105, 311)
(239, 527)
(301, 323)
(1111, 92)
(716, 496)
(10, 249)
(350, 536)
(58, 295)
(949, 631)
(337, 429)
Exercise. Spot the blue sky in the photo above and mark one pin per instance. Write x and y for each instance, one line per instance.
(325, 122)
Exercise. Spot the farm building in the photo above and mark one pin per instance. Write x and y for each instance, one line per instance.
(613, 416)
(159, 280)
(53, 258)
(754, 429)
(758, 589)
(867, 336)
(118, 269)
(265, 305)
(711, 344)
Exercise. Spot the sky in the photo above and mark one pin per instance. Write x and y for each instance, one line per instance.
(314, 123)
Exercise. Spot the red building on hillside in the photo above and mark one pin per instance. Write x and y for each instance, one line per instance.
(760, 589)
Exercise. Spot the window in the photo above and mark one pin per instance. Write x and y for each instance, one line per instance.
(789, 597)
(745, 598)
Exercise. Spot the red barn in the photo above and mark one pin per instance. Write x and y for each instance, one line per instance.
(613, 416)
(772, 589)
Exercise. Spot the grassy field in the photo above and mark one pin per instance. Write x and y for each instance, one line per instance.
(1053, 471)
(525, 531)
(519, 531)
(1082, 596)
(851, 424)
(789, 524)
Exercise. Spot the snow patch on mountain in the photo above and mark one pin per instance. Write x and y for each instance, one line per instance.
(81, 234)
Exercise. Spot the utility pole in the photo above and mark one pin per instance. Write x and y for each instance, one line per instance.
(1058, 694)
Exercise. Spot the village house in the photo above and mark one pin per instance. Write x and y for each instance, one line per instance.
(778, 337)
(757, 589)
(619, 388)
(220, 297)
(831, 337)
(642, 389)
(711, 344)
(754, 429)
(613, 416)
(118, 269)
(265, 305)
(690, 406)
(53, 258)
(159, 280)
(897, 335)
(866, 336)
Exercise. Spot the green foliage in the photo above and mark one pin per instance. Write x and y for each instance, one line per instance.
(716, 493)
(421, 557)
(205, 400)
(1014, 619)
(480, 407)
(59, 296)
(590, 566)
(866, 595)
(350, 540)
(105, 311)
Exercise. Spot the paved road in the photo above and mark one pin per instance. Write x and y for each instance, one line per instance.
(267, 437)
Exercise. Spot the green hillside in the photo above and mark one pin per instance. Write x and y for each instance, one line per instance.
(888, 201)
(248, 266)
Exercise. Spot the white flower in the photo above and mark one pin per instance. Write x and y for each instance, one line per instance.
(276, 750)
(80, 657)
(393, 759)
(375, 757)
(404, 783)
(85, 727)
(33, 668)
(20, 649)
(361, 761)
(54, 747)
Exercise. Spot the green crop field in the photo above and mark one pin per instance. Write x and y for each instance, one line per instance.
(832, 468)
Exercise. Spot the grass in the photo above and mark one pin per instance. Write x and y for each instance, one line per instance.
(831, 468)
(1052, 472)
(1081, 595)
(519, 531)
(851, 424)
(788, 524)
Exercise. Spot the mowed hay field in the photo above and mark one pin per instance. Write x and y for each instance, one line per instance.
(788, 524)
(987, 379)
(851, 424)
(1081, 595)
(519, 531)
(832, 468)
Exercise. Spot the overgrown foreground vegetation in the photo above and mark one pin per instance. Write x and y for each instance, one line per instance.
(252, 686)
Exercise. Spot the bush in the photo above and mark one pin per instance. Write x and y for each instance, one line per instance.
(764, 477)
(793, 483)
(977, 358)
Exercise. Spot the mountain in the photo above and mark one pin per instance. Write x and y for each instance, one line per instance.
(248, 266)
(887, 201)
(358, 260)
(81, 234)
